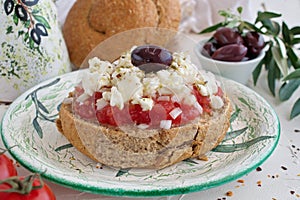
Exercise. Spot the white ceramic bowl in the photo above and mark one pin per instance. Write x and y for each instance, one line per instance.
(238, 71)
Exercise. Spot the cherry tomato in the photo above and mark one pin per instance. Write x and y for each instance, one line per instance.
(44, 193)
(7, 168)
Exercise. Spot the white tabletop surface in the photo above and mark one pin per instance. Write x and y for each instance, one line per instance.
(279, 177)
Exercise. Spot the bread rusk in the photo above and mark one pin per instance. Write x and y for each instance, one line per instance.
(90, 22)
(131, 114)
(162, 148)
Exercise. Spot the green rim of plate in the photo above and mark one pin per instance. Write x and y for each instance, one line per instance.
(164, 191)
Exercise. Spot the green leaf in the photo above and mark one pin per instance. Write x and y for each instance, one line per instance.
(293, 75)
(272, 77)
(27, 24)
(235, 114)
(26, 37)
(63, 147)
(273, 28)
(266, 15)
(190, 160)
(256, 72)
(295, 41)
(20, 33)
(240, 9)
(229, 148)
(280, 60)
(42, 107)
(233, 134)
(250, 26)
(9, 30)
(42, 20)
(293, 58)
(121, 172)
(37, 127)
(287, 89)
(295, 30)
(286, 33)
(16, 19)
(213, 28)
(31, 43)
(296, 109)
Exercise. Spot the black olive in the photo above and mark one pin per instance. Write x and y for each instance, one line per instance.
(9, 6)
(35, 36)
(21, 12)
(30, 2)
(41, 29)
(151, 58)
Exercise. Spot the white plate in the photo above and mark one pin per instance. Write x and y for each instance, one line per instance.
(28, 126)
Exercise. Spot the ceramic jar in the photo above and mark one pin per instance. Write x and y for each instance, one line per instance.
(32, 46)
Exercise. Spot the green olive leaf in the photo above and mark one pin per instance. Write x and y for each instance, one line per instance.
(295, 30)
(296, 109)
(37, 127)
(256, 72)
(266, 15)
(295, 41)
(63, 147)
(287, 89)
(16, 19)
(293, 75)
(42, 20)
(272, 77)
(293, 58)
(212, 28)
(9, 30)
(287, 36)
(280, 56)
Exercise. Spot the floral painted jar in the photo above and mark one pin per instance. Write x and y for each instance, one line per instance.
(32, 46)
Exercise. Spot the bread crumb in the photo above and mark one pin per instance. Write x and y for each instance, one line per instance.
(72, 158)
(298, 195)
(240, 181)
(229, 193)
(204, 158)
(258, 183)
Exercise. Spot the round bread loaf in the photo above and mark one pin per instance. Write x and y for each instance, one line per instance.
(89, 22)
(153, 148)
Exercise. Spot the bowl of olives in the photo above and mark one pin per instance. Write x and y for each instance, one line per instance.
(231, 54)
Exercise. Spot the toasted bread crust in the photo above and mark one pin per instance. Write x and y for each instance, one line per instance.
(90, 22)
(132, 148)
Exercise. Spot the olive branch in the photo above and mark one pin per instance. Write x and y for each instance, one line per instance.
(281, 60)
(23, 12)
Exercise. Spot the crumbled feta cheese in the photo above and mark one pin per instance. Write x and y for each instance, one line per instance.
(165, 124)
(142, 126)
(146, 103)
(163, 98)
(106, 95)
(151, 84)
(99, 66)
(203, 90)
(198, 107)
(101, 103)
(82, 97)
(175, 113)
(216, 102)
(116, 98)
(130, 87)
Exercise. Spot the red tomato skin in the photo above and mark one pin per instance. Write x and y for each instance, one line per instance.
(44, 193)
(7, 168)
